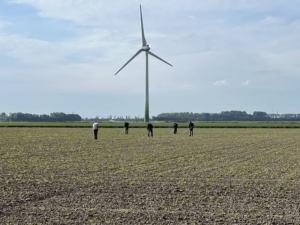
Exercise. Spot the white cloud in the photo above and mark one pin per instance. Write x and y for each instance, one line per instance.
(246, 83)
(95, 12)
(87, 12)
(26, 50)
(4, 24)
(221, 82)
(1, 24)
(269, 20)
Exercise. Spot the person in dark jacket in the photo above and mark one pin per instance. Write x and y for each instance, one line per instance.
(126, 126)
(175, 126)
(150, 129)
(191, 128)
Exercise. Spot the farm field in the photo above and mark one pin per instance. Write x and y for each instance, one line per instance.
(218, 176)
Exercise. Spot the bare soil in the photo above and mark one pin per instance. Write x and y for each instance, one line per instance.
(218, 176)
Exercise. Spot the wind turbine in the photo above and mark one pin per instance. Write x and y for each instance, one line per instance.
(146, 49)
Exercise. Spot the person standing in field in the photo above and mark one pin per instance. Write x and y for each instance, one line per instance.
(191, 128)
(126, 126)
(95, 129)
(175, 126)
(150, 129)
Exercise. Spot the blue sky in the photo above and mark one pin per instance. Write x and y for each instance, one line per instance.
(61, 56)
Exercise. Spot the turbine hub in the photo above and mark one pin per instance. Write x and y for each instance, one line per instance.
(145, 48)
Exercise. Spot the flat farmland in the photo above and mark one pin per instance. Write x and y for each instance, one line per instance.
(218, 176)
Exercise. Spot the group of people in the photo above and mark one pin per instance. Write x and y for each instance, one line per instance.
(191, 128)
(149, 129)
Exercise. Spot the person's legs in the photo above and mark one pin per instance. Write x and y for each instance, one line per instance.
(192, 132)
(95, 134)
(149, 132)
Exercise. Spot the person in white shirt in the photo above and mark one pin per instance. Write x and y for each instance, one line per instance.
(95, 128)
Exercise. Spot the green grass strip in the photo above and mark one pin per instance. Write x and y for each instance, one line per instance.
(155, 124)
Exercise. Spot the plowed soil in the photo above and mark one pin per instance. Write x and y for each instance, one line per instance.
(218, 176)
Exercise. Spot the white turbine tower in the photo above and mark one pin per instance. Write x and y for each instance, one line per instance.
(146, 49)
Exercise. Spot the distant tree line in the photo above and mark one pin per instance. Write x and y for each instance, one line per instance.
(53, 117)
(176, 116)
(226, 116)
(115, 118)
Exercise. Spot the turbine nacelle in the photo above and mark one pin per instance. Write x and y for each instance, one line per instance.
(145, 48)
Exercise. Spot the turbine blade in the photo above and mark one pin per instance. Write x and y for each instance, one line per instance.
(159, 58)
(142, 27)
(138, 52)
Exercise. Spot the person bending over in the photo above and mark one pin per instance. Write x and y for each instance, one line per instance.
(150, 129)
